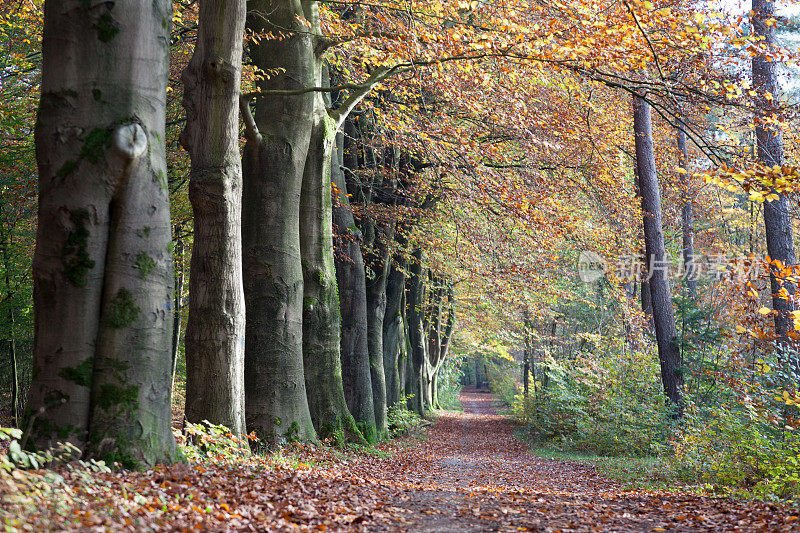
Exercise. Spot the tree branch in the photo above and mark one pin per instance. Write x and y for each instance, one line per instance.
(340, 113)
(251, 132)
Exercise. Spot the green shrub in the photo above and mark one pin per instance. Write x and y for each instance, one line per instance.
(401, 419)
(583, 405)
(210, 442)
(739, 449)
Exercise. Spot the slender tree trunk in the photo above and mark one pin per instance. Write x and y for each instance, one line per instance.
(102, 267)
(215, 328)
(656, 256)
(12, 347)
(646, 300)
(321, 313)
(769, 141)
(12, 355)
(526, 363)
(273, 163)
(687, 228)
(352, 297)
(178, 304)
(525, 372)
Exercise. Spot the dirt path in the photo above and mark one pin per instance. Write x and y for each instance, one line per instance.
(471, 474)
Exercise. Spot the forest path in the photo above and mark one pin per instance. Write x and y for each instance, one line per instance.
(471, 474)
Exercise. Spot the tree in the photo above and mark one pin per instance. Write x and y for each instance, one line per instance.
(769, 142)
(351, 280)
(687, 223)
(278, 136)
(102, 267)
(322, 320)
(655, 254)
(394, 334)
(215, 330)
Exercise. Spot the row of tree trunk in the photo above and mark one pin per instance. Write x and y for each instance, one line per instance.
(286, 336)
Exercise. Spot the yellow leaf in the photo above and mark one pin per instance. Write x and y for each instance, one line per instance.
(764, 311)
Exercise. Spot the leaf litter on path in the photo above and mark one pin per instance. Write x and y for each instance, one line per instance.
(467, 474)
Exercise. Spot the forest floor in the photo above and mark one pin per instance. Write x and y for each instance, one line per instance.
(467, 473)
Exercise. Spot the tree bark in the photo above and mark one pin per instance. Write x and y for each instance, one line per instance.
(351, 280)
(321, 313)
(415, 309)
(769, 141)
(393, 332)
(273, 163)
(655, 254)
(215, 328)
(379, 263)
(102, 267)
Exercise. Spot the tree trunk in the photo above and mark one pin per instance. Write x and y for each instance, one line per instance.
(216, 325)
(769, 141)
(12, 346)
(273, 164)
(321, 313)
(177, 305)
(12, 355)
(379, 264)
(416, 331)
(526, 370)
(646, 301)
(393, 333)
(352, 297)
(102, 267)
(656, 257)
(687, 228)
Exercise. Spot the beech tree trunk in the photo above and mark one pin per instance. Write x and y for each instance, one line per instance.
(440, 327)
(379, 265)
(321, 313)
(393, 333)
(102, 266)
(215, 330)
(769, 141)
(687, 228)
(273, 164)
(655, 254)
(415, 309)
(351, 280)
(525, 373)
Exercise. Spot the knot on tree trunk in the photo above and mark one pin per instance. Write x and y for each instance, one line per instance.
(218, 68)
(130, 140)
